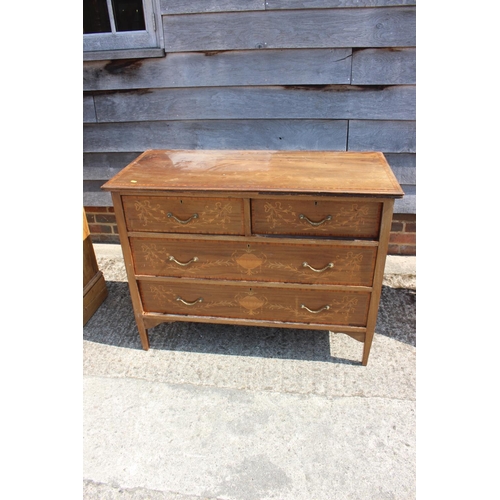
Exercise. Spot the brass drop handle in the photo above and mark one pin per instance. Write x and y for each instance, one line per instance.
(194, 216)
(173, 259)
(324, 308)
(189, 303)
(303, 217)
(328, 266)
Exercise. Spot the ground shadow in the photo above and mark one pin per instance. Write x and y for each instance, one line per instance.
(114, 324)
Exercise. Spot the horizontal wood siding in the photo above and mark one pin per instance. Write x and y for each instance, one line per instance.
(328, 4)
(222, 69)
(380, 27)
(216, 103)
(383, 67)
(216, 134)
(260, 74)
(197, 6)
(376, 135)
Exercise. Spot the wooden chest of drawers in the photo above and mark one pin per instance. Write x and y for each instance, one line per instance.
(294, 239)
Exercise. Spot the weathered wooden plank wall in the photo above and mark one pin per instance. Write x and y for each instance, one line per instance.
(260, 74)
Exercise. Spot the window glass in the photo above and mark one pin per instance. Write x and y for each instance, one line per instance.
(95, 17)
(129, 15)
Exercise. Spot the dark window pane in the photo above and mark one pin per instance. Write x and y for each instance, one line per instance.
(129, 15)
(95, 17)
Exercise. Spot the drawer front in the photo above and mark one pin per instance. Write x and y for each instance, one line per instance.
(260, 261)
(350, 219)
(184, 214)
(292, 305)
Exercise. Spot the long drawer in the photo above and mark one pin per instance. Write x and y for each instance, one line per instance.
(177, 214)
(347, 219)
(230, 300)
(237, 259)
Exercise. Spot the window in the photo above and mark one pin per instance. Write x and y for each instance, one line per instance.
(114, 25)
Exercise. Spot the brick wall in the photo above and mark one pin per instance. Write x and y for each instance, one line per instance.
(403, 240)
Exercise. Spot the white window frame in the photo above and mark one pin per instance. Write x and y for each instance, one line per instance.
(150, 38)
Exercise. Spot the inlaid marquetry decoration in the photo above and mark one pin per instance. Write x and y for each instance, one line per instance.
(277, 213)
(291, 239)
(255, 302)
(353, 215)
(301, 263)
(184, 215)
(148, 212)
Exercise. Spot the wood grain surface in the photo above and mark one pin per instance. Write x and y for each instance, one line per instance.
(255, 302)
(260, 171)
(255, 260)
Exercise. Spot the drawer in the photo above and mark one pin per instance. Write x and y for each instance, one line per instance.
(236, 259)
(349, 219)
(184, 214)
(291, 305)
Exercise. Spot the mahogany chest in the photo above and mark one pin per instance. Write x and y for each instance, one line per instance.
(294, 239)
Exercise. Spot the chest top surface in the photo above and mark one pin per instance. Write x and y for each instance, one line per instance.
(328, 172)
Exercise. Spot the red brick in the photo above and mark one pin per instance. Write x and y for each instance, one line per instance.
(95, 209)
(90, 218)
(396, 226)
(403, 238)
(404, 217)
(402, 250)
(99, 228)
(410, 227)
(109, 218)
(105, 238)
(407, 250)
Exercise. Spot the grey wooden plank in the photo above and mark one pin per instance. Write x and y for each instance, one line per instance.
(227, 68)
(93, 195)
(384, 66)
(98, 166)
(216, 134)
(325, 102)
(194, 6)
(404, 167)
(329, 4)
(88, 109)
(407, 204)
(97, 199)
(386, 136)
(328, 28)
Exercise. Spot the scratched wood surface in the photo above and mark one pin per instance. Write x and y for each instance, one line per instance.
(314, 172)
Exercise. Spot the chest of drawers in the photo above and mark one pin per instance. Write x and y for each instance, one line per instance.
(293, 239)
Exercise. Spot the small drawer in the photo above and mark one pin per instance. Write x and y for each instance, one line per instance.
(270, 261)
(260, 302)
(184, 214)
(348, 219)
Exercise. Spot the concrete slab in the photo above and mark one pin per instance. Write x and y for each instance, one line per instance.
(228, 412)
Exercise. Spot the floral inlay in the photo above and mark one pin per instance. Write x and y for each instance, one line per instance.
(147, 212)
(278, 213)
(218, 213)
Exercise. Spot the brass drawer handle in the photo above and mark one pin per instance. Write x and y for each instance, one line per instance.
(173, 259)
(303, 217)
(189, 303)
(324, 308)
(194, 216)
(328, 266)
